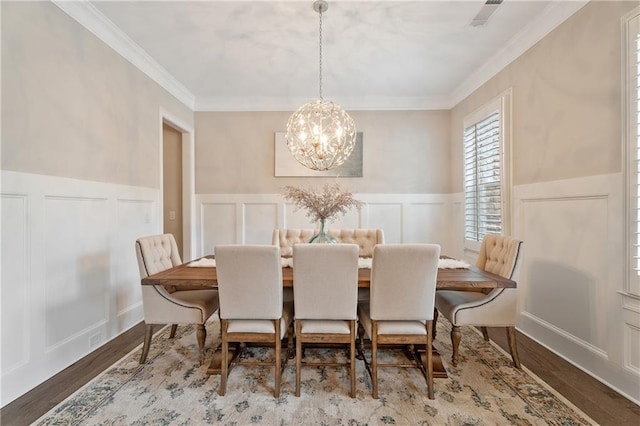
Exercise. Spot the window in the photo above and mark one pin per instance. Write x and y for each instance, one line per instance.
(632, 139)
(486, 171)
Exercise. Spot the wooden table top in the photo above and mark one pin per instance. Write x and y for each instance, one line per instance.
(449, 279)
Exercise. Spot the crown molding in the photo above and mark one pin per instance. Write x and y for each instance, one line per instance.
(349, 104)
(555, 14)
(98, 24)
(93, 20)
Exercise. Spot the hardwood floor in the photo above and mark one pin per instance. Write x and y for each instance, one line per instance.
(31, 406)
(602, 404)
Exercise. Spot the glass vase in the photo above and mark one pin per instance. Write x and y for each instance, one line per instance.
(322, 237)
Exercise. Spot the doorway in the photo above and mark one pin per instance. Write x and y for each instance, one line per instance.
(172, 184)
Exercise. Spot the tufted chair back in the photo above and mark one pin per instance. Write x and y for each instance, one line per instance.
(165, 305)
(156, 254)
(366, 239)
(499, 255)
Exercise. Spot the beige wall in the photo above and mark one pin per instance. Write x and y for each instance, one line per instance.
(404, 152)
(566, 100)
(72, 106)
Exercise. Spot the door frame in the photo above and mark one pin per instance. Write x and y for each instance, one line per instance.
(188, 180)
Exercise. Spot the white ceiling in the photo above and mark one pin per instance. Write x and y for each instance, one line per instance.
(263, 55)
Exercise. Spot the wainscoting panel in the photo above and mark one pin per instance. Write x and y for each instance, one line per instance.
(571, 297)
(568, 263)
(76, 262)
(136, 217)
(70, 279)
(632, 348)
(261, 219)
(15, 282)
(421, 218)
(218, 225)
(251, 218)
(389, 217)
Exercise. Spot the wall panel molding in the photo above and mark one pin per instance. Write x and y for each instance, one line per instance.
(632, 348)
(571, 297)
(529, 317)
(16, 280)
(69, 268)
(251, 218)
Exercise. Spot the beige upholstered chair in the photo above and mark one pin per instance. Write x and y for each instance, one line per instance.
(403, 285)
(251, 304)
(499, 255)
(164, 305)
(366, 239)
(325, 288)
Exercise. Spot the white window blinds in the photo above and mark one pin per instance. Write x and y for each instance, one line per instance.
(483, 177)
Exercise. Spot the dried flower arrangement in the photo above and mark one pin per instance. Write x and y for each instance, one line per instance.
(322, 206)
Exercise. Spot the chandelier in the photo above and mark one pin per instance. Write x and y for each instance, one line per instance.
(320, 134)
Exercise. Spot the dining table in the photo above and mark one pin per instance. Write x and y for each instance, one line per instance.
(469, 277)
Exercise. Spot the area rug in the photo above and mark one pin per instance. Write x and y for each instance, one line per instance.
(173, 389)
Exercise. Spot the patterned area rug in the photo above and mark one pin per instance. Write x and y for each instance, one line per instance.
(172, 389)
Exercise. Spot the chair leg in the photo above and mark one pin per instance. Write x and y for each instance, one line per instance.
(290, 349)
(455, 342)
(513, 347)
(148, 332)
(429, 353)
(374, 358)
(435, 323)
(174, 327)
(360, 354)
(201, 335)
(225, 359)
(298, 356)
(276, 391)
(352, 372)
(485, 333)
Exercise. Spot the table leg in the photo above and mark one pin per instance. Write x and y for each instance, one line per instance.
(216, 363)
(439, 372)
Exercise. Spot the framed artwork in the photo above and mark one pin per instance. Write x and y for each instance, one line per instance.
(287, 165)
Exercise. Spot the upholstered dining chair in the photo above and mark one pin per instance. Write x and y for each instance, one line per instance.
(500, 255)
(400, 311)
(366, 239)
(325, 291)
(251, 304)
(165, 305)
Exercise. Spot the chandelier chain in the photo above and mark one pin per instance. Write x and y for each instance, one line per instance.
(320, 134)
(320, 12)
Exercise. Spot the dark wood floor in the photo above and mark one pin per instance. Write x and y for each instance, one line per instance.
(602, 404)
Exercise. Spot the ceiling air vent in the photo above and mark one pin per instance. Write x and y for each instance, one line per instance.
(485, 13)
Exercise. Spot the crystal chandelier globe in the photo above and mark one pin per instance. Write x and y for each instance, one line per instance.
(320, 134)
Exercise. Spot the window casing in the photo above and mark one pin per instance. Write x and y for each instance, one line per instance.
(631, 37)
(487, 171)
